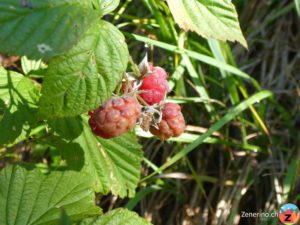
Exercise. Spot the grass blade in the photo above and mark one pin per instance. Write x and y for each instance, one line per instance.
(218, 125)
(200, 57)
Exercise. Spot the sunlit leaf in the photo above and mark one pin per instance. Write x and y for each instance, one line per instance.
(87, 75)
(117, 217)
(31, 198)
(209, 18)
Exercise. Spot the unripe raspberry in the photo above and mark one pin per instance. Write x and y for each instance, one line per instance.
(172, 123)
(115, 117)
(154, 85)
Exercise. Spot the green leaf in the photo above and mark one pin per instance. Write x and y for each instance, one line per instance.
(64, 218)
(20, 96)
(31, 198)
(31, 65)
(86, 76)
(216, 19)
(117, 217)
(123, 156)
(42, 29)
(8, 80)
(106, 6)
(297, 4)
(113, 164)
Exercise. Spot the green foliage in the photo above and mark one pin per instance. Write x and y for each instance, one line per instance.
(20, 96)
(105, 6)
(7, 82)
(86, 58)
(29, 197)
(87, 75)
(64, 219)
(297, 4)
(113, 165)
(117, 217)
(42, 29)
(203, 16)
(29, 66)
(123, 156)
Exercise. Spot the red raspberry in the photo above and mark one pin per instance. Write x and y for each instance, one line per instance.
(115, 117)
(172, 123)
(154, 85)
(160, 72)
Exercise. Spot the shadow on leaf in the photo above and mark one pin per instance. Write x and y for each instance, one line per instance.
(67, 128)
(71, 152)
(19, 114)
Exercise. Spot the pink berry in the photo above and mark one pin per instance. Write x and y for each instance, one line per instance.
(115, 117)
(154, 86)
(160, 72)
(172, 123)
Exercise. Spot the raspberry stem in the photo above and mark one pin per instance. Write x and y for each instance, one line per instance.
(135, 68)
(142, 101)
(128, 87)
(119, 87)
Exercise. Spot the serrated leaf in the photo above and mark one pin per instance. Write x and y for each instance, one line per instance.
(31, 198)
(43, 29)
(20, 96)
(85, 77)
(106, 6)
(117, 217)
(123, 156)
(8, 79)
(216, 19)
(114, 164)
(29, 65)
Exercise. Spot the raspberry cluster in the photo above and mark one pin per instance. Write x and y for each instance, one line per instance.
(144, 105)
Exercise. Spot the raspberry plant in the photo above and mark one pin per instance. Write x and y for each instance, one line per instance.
(83, 59)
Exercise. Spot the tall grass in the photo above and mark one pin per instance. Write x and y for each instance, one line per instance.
(240, 151)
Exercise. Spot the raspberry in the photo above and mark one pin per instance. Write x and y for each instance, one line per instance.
(160, 72)
(154, 85)
(172, 123)
(115, 117)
